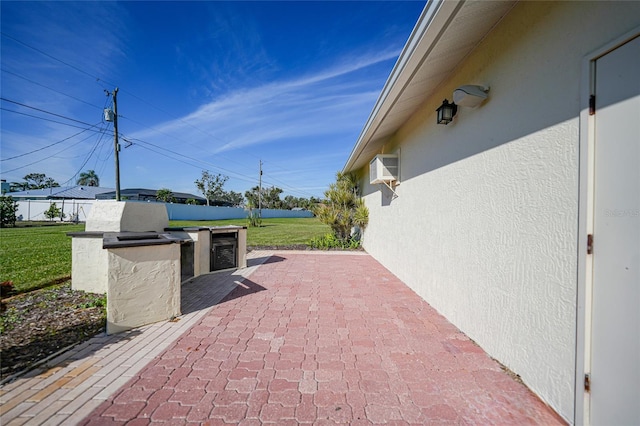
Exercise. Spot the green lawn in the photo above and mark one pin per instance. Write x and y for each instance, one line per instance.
(36, 257)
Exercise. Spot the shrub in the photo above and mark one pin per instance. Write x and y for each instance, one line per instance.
(253, 219)
(331, 241)
(8, 209)
(94, 301)
(343, 210)
(54, 212)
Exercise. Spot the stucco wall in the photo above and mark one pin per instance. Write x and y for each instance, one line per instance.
(127, 216)
(485, 223)
(143, 286)
(89, 264)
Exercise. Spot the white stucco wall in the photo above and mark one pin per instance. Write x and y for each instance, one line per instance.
(89, 265)
(485, 225)
(202, 251)
(127, 216)
(143, 286)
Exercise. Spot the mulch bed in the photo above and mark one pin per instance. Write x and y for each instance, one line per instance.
(40, 323)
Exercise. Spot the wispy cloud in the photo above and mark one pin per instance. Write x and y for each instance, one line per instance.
(52, 53)
(316, 105)
(219, 85)
(303, 126)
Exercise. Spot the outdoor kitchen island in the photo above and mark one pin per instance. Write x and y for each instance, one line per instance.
(128, 252)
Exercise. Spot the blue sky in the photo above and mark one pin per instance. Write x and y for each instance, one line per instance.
(213, 86)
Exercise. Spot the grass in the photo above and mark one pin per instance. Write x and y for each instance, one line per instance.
(36, 257)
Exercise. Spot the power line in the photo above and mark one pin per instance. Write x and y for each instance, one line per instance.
(53, 57)
(87, 160)
(46, 158)
(177, 138)
(104, 163)
(136, 97)
(48, 146)
(44, 111)
(238, 175)
(45, 119)
(99, 79)
(49, 88)
(289, 188)
(198, 129)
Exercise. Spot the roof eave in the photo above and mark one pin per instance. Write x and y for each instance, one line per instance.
(432, 22)
(445, 34)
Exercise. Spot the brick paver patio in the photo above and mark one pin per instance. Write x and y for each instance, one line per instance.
(323, 339)
(318, 338)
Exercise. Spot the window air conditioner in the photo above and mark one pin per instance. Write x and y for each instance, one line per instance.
(383, 169)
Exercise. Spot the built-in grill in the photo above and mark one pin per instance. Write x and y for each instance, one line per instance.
(223, 251)
(187, 266)
(128, 252)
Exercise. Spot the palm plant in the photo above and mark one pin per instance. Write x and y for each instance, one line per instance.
(88, 178)
(166, 195)
(343, 209)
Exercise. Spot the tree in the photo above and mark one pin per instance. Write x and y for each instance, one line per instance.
(39, 181)
(8, 209)
(211, 186)
(18, 186)
(343, 209)
(270, 197)
(165, 195)
(88, 178)
(252, 197)
(235, 198)
(54, 212)
(291, 202)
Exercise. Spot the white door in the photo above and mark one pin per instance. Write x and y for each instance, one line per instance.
(615, 326)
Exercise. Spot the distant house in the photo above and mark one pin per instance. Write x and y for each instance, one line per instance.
(5, 187)
(141, 194)
(519, 220)
(77, 192)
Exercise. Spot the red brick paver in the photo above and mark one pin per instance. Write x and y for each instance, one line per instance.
(323, 339)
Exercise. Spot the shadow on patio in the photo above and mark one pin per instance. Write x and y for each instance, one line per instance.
(207, 290)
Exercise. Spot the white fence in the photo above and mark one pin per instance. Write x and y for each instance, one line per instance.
(73, 210)
(78, 210)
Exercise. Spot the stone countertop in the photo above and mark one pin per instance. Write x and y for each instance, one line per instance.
(138, 239)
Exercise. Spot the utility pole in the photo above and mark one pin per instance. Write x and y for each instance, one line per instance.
(116, 145)
(260, 192)
(113, 116)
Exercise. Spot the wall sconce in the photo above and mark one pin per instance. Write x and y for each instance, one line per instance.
(446, 112)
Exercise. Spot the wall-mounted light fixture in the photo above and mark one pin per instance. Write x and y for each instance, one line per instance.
(469, 95)
(446, 112)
